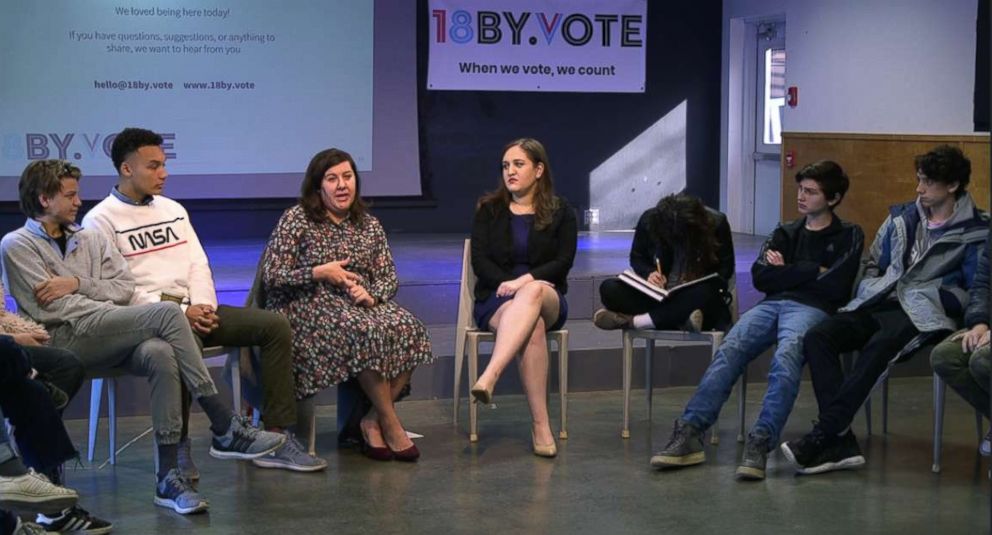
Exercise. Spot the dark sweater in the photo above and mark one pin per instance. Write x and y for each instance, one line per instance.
(645, 249)
(836, 248)
(550, 250)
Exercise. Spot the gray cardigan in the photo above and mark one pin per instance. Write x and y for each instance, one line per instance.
(30, 256)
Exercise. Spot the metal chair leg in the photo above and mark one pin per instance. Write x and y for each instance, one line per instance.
(628, 357)
(96, 399)
(649, 374)
(715, 341)
(868, 414)
(112, 417)
(885, 406)
(563, 383)
(939, 391)
(741, 407)
(473, 404)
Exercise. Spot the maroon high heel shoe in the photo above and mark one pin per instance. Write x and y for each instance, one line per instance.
(409, 455)
(376, 453)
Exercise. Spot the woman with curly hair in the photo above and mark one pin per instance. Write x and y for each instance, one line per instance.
(329, 270)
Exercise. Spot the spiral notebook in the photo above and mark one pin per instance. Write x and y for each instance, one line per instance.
(639, 283)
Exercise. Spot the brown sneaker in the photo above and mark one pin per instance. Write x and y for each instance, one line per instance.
(609, 320)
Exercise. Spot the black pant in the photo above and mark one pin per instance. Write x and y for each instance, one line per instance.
(673, 312)
(57, 366)
(879, 332)
(38, 429)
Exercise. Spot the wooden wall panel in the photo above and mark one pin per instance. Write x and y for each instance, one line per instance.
(880, 167)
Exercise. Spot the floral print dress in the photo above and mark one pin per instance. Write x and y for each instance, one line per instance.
(332, 338)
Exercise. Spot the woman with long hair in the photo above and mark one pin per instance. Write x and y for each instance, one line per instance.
(678, 241)
(329, 270)
(523, 245)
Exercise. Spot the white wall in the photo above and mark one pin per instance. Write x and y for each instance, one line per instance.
(868, 66)
(881, 66)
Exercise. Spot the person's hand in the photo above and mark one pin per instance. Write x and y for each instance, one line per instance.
(509, 288)
(774, 258)
(31, 339)
(657, 279)
(336, 274)
(202, 318)
(360, 296)
(972, 338)
(50, 290)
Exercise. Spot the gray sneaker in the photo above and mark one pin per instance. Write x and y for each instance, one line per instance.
(755, 458)
(177, 493)
(242, 441)
(291, 456)
(684, 448)
(185, 458)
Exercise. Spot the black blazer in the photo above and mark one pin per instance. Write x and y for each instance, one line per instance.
(550, 251)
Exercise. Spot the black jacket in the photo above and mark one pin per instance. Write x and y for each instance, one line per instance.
(978, 299)
(644, 249)
(800, 279)
(550, 251)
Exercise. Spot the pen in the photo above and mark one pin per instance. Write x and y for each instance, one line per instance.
(657, 264)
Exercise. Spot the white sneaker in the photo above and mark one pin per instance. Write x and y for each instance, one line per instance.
(33, 492)
(28, 528)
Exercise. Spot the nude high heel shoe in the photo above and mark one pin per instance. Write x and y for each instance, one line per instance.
(550, 450)
(483, 395)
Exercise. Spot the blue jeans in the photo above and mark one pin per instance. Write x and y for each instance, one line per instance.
(768, 322)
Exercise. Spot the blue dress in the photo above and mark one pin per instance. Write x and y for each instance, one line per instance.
(520, 226)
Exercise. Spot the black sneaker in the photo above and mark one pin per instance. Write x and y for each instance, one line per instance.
(74, 520)
(801, 452)
(752, 466)
(834, 453)
(177, 493)
(684, 448)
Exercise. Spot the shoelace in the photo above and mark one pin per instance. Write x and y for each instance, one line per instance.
(246, 428)
(177, 484)
(678, 435)
(294, 445)
(755, 447)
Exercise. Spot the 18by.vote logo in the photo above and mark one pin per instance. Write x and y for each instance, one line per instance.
(79, 146)
(576, 29)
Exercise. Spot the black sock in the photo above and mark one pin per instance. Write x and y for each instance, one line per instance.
(13, 467)
(218, 412)
(168, 458)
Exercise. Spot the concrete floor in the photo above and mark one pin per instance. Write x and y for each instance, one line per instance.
(598, 484)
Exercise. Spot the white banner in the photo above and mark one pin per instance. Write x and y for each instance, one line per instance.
(538, 45)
